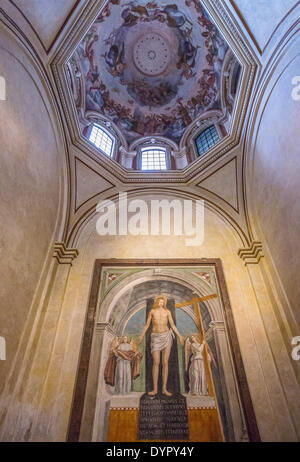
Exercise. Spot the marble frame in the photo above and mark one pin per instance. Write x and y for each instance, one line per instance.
(80, 389)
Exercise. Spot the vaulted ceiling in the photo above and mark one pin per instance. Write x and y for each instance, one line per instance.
(152, 68)
(152, 44)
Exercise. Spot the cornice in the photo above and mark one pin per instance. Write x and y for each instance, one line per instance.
(63, 255)
(217, 326)
(106, 327)
(253, 254)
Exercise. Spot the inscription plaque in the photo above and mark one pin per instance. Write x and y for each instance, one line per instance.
(163, 418)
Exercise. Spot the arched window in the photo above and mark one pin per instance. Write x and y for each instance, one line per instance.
(102, 139)
(207, 139)
(154, 158)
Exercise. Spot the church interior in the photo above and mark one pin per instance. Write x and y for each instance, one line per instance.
(106, 104)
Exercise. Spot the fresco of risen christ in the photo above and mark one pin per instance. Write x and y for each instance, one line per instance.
(161, 341)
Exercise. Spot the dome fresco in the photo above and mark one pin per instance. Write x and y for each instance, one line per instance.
(151, 68)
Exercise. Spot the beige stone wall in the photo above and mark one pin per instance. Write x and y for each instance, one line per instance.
(29, 192)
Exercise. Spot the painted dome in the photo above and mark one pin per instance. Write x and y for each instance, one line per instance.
(151, 68)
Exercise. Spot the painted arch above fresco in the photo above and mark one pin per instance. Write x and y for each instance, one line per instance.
(151, 68)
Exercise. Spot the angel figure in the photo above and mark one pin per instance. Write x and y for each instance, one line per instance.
(114, 58)
(123, 365)
(196, 370)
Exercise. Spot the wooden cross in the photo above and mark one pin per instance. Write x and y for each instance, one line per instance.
(210, 383)
(196, 300)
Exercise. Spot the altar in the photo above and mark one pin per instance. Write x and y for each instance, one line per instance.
(124, 413)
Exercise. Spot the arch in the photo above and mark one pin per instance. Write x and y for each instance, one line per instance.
(213, 116)
(196, 285)
(158, 139)
(91, 117)
(78, 229)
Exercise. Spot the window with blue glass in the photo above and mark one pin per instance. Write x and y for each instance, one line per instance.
(207, 139)
(102, 140)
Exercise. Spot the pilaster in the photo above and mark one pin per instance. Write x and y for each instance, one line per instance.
(275, 359)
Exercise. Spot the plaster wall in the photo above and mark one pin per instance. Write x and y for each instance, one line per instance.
(274, 172)
(29, 193)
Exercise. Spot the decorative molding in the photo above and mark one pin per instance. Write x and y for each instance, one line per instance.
(217, 325)
(252, 255)
(154, 140)
(127, 153)
(105, 327)
(63, 255)
(124, 408)
(180, 153)
(200, 408)
(180, 157)
(181, 193)
(127, 157)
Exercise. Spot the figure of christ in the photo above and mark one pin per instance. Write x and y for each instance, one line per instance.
(161, 341)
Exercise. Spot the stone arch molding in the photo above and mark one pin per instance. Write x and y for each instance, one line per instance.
(89, 217)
